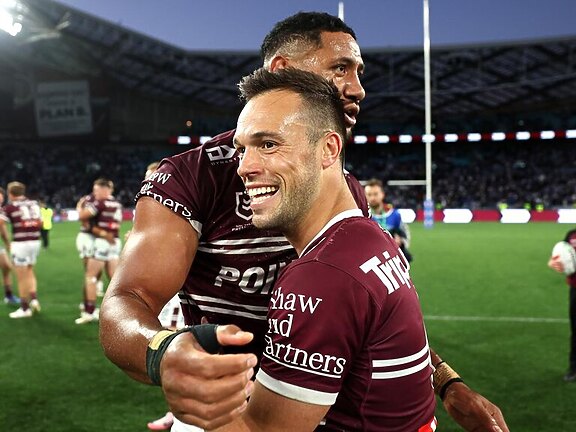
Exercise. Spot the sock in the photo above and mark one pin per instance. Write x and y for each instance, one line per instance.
(8, 291)
(89, 306)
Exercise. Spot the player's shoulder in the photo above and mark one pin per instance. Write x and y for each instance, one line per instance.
(219, 148)
(346, 238)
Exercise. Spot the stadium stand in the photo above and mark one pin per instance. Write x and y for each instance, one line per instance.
(133, 92)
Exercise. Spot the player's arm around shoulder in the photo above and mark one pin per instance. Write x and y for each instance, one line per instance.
(200, 388)
(270, 412)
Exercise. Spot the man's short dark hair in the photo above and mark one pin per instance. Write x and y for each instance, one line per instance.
(304, 27)
(319, 96)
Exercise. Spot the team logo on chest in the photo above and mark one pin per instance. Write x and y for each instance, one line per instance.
(243, 206)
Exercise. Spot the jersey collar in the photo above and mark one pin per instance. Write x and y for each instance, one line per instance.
(339, 217)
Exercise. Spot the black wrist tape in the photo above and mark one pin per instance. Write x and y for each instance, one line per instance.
(444, 388)
(205, 334)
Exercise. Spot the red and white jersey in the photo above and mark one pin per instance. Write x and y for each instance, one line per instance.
(236, 264)
(24, 215)
(345, 329)
(107, 214)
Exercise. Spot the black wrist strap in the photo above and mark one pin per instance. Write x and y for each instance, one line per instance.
(205, 334)
(444, 388)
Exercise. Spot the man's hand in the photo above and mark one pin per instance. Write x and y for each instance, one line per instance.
(207, 390)
(555, 264)
(473, 411)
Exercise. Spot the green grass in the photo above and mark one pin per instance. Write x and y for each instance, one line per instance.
(54, 377)
(493, 272)
(53, 374)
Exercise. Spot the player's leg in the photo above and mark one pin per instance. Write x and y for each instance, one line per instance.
(90, 312)
(6, 268)
(24, 256)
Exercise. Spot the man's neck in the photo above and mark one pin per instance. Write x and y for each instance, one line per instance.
(326, 206)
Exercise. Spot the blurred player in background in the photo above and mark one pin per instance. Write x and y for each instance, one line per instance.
(555, 264)
(46, 214)
(387, 216)
(24, 216)
(5, 263)
(104, 215)
(193, 226)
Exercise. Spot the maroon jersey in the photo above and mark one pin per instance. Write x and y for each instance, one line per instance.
(86, 226)
(107, 214)
(236, 264)
(345, 329)
(24, 215)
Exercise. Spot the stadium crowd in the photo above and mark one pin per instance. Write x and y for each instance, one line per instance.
(479, 175)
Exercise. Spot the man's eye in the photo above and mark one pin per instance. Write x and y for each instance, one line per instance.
(268, 145)
(241, 150)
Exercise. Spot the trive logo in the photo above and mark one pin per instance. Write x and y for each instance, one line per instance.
(253, 280)
(220, 153)
(393, 272)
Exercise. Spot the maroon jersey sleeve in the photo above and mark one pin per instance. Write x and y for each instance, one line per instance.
(187, 183)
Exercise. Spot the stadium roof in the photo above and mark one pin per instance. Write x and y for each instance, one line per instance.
(466, 80)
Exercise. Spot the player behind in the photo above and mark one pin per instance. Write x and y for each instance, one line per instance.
(24, 216)
(105, 216)
(193, 227)
(5, 264)
(387, 216)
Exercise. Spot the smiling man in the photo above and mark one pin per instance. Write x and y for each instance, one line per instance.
(346, 347)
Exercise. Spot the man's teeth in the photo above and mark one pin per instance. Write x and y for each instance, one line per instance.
(254, 192)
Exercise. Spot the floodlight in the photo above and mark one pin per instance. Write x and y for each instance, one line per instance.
(8, 22)
(451, 137)
(428, 138)
(498, 136)
(360, 139)
(523, 135)
(474, 137)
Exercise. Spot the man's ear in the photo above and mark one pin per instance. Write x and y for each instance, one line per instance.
(278, 62)
(331, 148)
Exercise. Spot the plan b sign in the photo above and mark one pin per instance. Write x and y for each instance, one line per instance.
(63, 108)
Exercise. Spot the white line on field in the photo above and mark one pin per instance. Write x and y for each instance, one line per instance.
(495, 319)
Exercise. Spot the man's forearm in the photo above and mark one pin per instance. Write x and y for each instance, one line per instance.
(125, 337)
